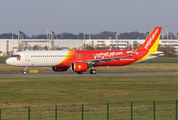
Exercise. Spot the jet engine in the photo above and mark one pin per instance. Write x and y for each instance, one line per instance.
(59, 69)
(79, 66)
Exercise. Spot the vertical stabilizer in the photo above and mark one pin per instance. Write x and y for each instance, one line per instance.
(151, 43)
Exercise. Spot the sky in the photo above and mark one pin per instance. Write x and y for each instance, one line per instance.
(91, 16)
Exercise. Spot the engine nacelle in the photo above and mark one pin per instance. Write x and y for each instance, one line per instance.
(79, 66)
(59, 69)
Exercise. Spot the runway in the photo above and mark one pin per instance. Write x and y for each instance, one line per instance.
(87, 74)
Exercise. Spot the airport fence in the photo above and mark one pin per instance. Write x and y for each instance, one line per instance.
(156, 110)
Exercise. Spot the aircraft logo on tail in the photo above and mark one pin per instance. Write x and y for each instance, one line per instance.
(151, 39)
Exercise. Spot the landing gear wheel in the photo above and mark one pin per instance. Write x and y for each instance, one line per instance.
(79, 72)
(93, 71)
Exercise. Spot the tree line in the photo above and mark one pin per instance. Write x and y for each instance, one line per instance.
(102, 35)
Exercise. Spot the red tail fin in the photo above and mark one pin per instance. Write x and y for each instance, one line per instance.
(152, 41)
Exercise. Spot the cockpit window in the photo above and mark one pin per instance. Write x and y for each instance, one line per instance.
(17, 56)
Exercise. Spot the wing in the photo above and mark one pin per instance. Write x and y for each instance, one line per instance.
(95, 61)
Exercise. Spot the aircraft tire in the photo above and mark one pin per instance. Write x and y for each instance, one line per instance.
(79, 72)
(93, 71)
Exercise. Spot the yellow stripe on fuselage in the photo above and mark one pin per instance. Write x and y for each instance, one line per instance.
(69, 52)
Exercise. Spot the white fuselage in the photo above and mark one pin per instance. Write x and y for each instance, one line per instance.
(37, 58)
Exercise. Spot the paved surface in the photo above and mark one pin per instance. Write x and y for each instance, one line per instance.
(87, 74)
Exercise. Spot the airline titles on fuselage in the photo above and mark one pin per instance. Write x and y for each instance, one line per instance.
(127, 59)
(107, 54)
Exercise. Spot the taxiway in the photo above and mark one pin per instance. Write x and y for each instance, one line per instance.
(87, 74)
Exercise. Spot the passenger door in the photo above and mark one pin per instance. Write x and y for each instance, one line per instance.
(27, 56)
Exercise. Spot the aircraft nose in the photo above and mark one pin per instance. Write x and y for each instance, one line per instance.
(9, 61)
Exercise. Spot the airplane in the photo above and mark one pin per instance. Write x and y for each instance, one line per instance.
(81, 60)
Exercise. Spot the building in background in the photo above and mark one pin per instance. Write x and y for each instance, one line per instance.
(9, 45)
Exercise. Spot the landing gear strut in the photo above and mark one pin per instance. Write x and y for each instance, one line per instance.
(93, 71)
(25, 71)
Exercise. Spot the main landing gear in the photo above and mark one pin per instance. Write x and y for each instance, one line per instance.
(25, 71)
(79, 72)
(93, 71)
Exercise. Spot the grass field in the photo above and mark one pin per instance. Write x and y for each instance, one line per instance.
(3, 59)
(68, 93)
(44, 91)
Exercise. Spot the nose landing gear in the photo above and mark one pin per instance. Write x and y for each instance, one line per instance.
(25, 71)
